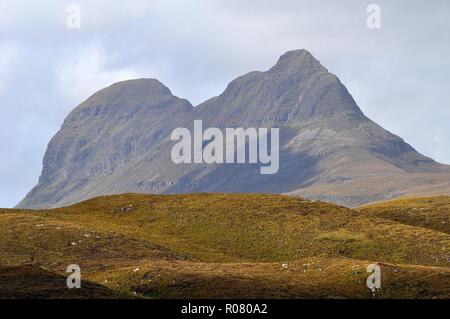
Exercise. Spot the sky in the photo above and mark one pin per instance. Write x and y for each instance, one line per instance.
(398, 73)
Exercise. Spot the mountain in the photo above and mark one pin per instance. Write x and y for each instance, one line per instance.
(118, 141)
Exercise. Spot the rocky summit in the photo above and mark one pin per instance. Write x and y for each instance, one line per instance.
(118, 141)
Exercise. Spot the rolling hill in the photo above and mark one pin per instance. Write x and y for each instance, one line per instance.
(226, 246)
(427, 212)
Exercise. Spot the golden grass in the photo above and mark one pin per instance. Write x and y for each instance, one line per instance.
(427, 212)
(187, 245)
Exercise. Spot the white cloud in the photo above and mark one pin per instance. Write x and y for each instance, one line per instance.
(9, 55)
(80, 75)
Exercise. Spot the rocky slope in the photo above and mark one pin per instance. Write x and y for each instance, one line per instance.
(118, 141)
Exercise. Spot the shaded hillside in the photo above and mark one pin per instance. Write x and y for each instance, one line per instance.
(118, 141)
(30, 282)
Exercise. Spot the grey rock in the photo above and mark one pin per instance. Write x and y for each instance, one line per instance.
(118, 141)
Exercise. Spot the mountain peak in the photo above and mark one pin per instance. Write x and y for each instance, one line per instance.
(129, 92)
(144, 84)
(297, 59)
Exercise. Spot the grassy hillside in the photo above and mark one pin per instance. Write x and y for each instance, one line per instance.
(428, 212)
(228, 245)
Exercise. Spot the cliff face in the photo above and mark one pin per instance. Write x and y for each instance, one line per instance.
(118, 141)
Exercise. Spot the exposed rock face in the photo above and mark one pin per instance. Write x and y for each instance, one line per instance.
(118, 141)
(103, 138)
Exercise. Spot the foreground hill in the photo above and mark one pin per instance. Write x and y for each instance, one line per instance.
(31, 282)
(118, 141)
(228, 245)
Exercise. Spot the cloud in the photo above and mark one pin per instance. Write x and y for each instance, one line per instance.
(9, 55)
(79, 75)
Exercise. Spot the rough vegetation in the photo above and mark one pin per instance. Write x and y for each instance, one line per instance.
(225, 245)
(427, 212)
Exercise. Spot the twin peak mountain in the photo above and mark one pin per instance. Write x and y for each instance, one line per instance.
(118, 141)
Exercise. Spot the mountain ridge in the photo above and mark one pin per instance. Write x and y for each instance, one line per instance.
(118, 141)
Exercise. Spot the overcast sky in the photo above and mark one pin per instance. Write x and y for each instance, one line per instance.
(398, 74)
